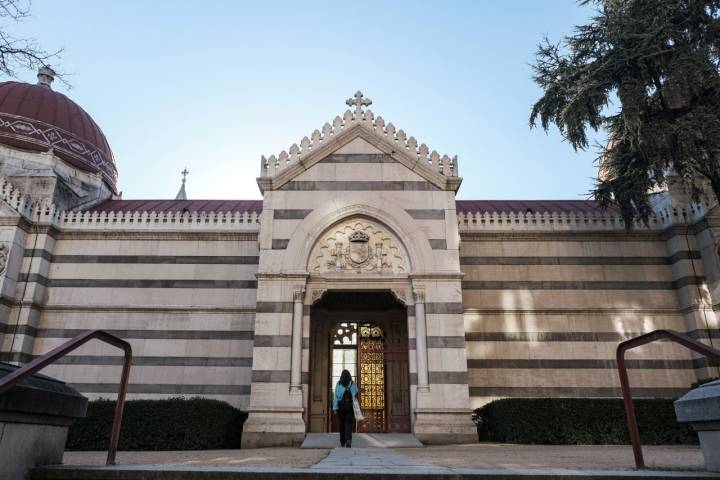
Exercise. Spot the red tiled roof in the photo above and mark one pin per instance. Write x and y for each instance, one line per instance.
(463, 206)
(534, 206)
(179, 206)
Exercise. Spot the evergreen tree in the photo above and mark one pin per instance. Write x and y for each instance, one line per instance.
(645, 72)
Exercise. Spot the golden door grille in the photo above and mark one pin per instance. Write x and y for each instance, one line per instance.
(372, 378)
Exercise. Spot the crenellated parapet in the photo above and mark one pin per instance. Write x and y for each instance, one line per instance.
(200, 221)
(607, 220)
(47, 213)
(365, 118)
(18, 200)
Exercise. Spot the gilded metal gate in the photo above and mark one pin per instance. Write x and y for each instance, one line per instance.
(372, 378)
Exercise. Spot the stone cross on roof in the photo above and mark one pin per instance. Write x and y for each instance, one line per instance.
(358, 101)
(181, 194)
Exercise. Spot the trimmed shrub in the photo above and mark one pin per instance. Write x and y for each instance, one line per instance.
(172, 424)
(578, 421)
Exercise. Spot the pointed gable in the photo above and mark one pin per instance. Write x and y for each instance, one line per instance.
(357, 132)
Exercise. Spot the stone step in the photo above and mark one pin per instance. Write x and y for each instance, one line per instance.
(414, 472)
(363, 440)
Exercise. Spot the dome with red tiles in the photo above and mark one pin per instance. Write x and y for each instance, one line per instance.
(36, 117)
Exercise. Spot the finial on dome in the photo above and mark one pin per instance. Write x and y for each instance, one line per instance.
(46, 76)
(358, 101)
(181, 194)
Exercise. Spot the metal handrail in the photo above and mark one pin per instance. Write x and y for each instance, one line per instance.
(9, 381)
(653, 336)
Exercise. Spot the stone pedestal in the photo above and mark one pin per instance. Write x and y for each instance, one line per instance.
(273, 428)
(701, 408)
(34, 420)
(442, 426)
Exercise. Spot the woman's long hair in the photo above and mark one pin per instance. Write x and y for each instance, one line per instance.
(345, 378)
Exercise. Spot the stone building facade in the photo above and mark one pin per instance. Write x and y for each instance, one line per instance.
(358, 256)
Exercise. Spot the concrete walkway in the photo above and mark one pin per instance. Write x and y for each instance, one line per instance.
(362, 440)
(375, 460)
(475, 456)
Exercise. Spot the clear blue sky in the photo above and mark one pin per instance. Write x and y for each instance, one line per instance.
(213, 85)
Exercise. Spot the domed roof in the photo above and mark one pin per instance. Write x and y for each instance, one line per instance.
(37, 118)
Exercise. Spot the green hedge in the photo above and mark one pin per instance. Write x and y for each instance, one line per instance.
(577, 421)
(172, 424)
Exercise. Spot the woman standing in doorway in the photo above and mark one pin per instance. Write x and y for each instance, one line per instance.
(345, 392)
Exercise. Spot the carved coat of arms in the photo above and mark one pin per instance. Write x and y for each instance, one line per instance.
(359, 249)
(357, 246)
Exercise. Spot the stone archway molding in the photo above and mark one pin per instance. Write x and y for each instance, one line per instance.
(397, 220)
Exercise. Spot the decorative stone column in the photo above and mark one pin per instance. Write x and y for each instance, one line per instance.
(421, 340)
(296, 349)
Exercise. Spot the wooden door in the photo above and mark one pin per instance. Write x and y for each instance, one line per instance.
(397, 397)
(389, 361)
(319, 372)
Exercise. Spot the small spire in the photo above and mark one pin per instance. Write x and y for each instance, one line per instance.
(46, 76)
(181, 194)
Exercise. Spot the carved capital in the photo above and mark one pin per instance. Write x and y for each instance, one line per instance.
(298, 295)
(419, 294)
(317, 294)
(401, 295)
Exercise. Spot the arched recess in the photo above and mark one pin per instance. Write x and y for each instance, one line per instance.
(397, 221)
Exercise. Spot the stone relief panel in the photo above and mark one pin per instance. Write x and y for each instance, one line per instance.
(4, 251)
(358, 246)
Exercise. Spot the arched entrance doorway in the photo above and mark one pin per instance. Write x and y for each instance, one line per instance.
(367, 333)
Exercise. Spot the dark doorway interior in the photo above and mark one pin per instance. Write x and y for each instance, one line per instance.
(365, 332)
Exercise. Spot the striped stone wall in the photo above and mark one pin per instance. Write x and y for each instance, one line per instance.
(352, 175)
(356, 181)
(544, 312)
(184, 300)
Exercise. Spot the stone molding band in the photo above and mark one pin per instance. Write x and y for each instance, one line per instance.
(604, 364)
(152, 361)
(165, 388)
(280, 243)
(135, 283)
(426, 214)
(358, 158)
(570, 336)
(290, 214)
(358, 186)
(146, 259)
(583, 392)
(552, 260)
(581, 285)
(149, 334)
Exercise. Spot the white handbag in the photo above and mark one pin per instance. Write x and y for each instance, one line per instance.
(356, 409)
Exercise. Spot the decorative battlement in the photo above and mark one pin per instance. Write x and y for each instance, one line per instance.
(201, 221)
(45, 212)
(19, 201)
(576, 221)
(444, 165)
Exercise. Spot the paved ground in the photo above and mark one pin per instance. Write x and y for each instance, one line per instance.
(480, 455)
(585, 457)
(256, 457)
